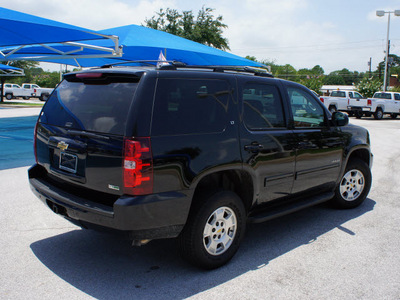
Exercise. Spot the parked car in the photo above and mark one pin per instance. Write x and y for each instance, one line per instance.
(340, 100)
(192, 153)
(381, 103)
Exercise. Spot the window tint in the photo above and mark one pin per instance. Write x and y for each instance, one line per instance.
(262, 107)
(92, 107)
(185, 106)
(397, 96)
(338, 94)
(382, 96)
(306, 111)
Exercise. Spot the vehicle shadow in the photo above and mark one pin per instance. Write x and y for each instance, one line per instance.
(106, 267)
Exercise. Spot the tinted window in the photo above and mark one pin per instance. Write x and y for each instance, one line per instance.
(262, 107)
(92, 107)
(351, 95)
(338, 94)
(397, 96)
(184, 106)
(382, 96)
(306, 110)
(357, 95)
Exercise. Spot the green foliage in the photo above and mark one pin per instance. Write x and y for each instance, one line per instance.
(368, 86)
(313, 83)
(34, 74)
(205, 29)
(47, 79)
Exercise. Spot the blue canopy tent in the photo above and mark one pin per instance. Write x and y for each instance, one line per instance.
(20, 30)
(138, 43)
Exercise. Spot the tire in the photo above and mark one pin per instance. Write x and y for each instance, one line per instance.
(44, 97)
(354, 185)
(214, 230)
(393, 116)
(9, 96)
(358, 114)
(332, 109)
(378, 114)
(25, 98)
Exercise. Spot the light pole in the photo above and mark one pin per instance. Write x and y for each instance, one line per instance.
(381, 13)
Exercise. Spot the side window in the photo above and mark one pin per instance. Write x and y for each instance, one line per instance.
(306, 111)
(397, 96)
(357, 95)
(262, 107)
(186, 106)
(351, 94)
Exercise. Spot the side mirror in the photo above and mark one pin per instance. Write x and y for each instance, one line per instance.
(340, 119)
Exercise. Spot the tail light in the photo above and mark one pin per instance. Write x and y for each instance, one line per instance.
(138, 166)
(322, 99)
(369, 102)
(34, 141)
(34, 90)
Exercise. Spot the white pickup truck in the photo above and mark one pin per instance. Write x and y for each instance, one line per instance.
(28, 90)
(12, 90)
(340, 100)
(381, 103)
(41, 93)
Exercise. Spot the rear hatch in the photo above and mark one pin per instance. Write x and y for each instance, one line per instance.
(80, 133)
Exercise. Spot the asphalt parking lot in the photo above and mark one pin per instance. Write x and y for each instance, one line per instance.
(318, 253)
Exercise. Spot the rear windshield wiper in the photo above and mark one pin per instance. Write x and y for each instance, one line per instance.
(87, 134)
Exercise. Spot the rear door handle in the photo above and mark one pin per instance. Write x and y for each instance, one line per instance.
(253, 147)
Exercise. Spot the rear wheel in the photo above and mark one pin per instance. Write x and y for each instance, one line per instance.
(358, 114)
(378, 115)
(393, 116)
(26, 98)
(9, 96)
(354, 186)
(332, 109)
(214, 230)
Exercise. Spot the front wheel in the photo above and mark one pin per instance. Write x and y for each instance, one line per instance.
(332, 109)
(378, 115)
(393, 116)
(354, 185)
(9, 96)
(26, 98)
(214, 230)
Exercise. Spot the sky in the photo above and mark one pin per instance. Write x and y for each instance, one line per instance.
(304, 33)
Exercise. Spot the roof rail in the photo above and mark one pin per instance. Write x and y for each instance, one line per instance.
(240, 69)
(146, 62)
(174, 65)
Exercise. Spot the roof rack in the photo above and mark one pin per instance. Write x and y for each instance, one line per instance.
(256, 71)
(152, 63)
(174, 65)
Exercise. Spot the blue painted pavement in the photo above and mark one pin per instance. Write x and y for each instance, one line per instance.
(16, 142)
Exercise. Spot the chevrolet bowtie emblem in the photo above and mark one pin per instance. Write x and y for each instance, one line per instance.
(62, 145)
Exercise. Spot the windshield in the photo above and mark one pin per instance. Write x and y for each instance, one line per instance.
(90, 107)
(382, 96)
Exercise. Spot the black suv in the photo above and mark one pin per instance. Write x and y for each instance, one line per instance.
(193, 153)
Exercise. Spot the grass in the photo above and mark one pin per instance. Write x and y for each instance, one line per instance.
(20, 103)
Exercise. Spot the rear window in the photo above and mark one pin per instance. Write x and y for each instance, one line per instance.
(338, 94)
(91, 107)
(382, 96)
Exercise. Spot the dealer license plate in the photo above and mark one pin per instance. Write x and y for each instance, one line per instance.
(68, 162)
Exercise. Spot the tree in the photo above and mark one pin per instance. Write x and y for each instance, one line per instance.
(368, 86)
(205, 29)
(313, 83)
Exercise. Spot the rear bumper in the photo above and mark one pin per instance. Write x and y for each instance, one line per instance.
(359, 108)
(152, 216)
